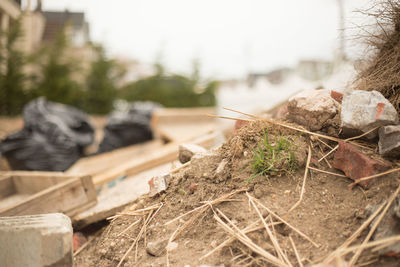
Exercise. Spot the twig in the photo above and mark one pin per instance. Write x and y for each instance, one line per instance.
(271, 236)
(376, 224)
(330, 152)
(130, 226)
(327, 172)
(355, 235)
(304, 182)
(327, 162)
(242, 237)
(373, 176)
(296, 252)
(146, 222)
(248, 229)
(207, 203)
(283, 221)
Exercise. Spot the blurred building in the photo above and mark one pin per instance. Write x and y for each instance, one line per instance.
(32, 24)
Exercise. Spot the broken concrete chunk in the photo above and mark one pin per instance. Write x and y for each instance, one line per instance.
(355, 164)
(389, 141)
(312, 108)
(156, 248)
(158, 184)
(36, 240)
(388, 227)
(186, 151)
(363, 111)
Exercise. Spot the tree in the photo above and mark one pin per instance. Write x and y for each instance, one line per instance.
(55, 80)
(12, 79)
(101, 83)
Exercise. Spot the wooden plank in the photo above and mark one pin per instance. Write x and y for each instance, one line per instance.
(68, 197)
(182, 124)
(96, 164)
(165, 154)
(7, 187)
(115, 199)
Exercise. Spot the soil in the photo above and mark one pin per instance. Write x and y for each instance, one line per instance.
(328, 214)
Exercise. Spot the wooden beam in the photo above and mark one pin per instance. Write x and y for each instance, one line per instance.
(69, 194)
(98, 163)
(165, 154)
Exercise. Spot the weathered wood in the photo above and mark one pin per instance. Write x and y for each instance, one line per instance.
(182, 124)
(165, 154)
(25, 193)
(98, 163)
(115, 199)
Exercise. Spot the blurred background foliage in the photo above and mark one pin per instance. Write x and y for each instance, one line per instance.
(50, 72)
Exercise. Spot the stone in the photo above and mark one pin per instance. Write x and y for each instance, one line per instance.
(365, 110)
(36, 240)
(157, 248)
(193, 188)
(389, 141)
(355, 164)
(338, 96)
(202, 163)
(312, 108)
(186, 152)
(158, 184)
(171, 246)
(388, 227)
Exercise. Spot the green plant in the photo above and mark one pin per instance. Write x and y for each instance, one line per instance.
(274, 155)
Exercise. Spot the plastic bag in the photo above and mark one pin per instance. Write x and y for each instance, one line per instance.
(129, 126)
(53, 137)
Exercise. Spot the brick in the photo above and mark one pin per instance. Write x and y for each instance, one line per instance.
(36, 240)
(337, 96)
(355, 164)
(239, 124)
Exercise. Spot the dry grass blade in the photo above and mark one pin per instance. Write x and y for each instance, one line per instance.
(207, 203)
(227, 118)
(150, 216)
(376, 224)
(140, 212)
(242, 237)
(330, 152)
(327, 172)
(381, 243)
(183, 227)
(251, 228)
(129, 227)
(273, 238)
(304, 182)
(373, 176)
(355, 234)
(283, 221)
(362, 135)
(296, 252)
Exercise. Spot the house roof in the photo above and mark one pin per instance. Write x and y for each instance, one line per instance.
(56, 21)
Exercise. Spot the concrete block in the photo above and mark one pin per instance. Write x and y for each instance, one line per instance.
(36, 241)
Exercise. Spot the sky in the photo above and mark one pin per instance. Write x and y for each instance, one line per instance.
(229, 37)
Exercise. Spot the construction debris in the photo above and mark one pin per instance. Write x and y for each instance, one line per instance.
(355, 164)
(389, 141)
(362, 111)
(187, 151)
(36, 240)
(313, 108)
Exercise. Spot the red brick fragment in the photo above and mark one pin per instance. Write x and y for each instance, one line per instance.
(78, 240)
(355, 164)
(193, 188)
(337, 96)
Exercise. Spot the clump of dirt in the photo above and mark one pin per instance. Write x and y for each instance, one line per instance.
(328, 214)
(382, 68)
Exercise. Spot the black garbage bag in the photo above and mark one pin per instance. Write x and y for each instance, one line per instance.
(128, 127)
(53, 137)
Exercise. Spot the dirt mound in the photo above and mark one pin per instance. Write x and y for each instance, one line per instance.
(221, 190)
(382, 70)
